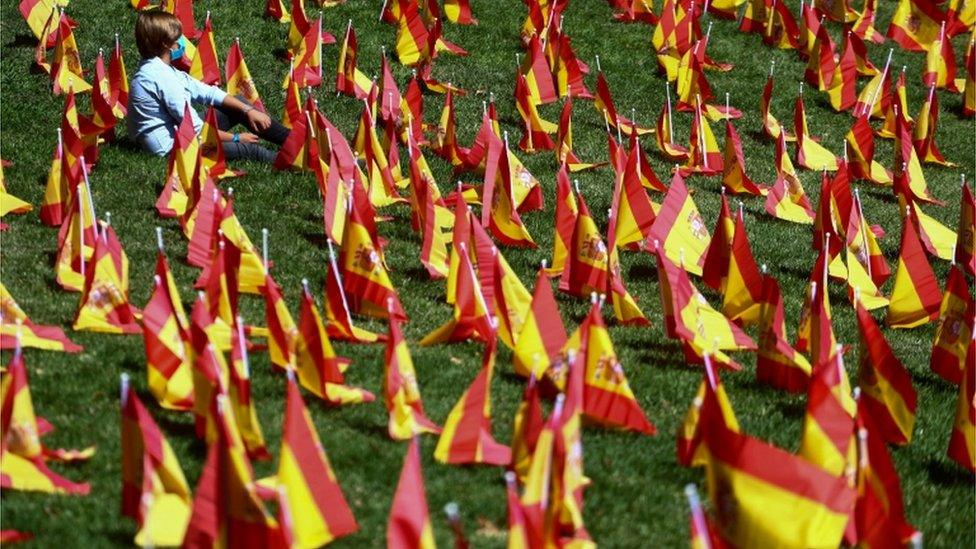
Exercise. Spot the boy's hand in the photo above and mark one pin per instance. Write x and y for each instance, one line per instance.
(257, 120)
(247, 137)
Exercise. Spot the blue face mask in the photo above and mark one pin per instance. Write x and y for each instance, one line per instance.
(180, 49)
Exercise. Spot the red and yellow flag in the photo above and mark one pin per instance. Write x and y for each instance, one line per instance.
(22, 456)
(104, 303)
(952, 335)
(915, 24)
(915, 297)
(401, 392)
(239, 81)
(318, 509)
(76, 241)
(965, 252)
(365, 281)
(543, 334)
(535, 130)
(828, 426)
(165, 333)
(227, 511)
(711, 404)
(66, 72)
(282, 330)
(338, 316)
(963, 438)
(923, 135)
(887, 394)
(809, 154)
(499, 213)
(715, 269)
(795, 504)
(16, 325)
(742, 300)
(154, 491)
(679, 228)
(778, 364)
(409, 521)
(734, 177)
(205, 66)
(786, 198)
(467, 437)
(349, 79)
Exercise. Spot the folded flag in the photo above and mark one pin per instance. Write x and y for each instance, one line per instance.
(409, 521)
(887, 394)
(963, 437)
(104, 303)
(17, 326)
(956, 325)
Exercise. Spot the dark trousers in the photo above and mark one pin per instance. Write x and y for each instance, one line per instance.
(276, 133)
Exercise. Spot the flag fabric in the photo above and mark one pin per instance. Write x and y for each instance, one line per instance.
(166, 337)
(104, 303)
(76, 241)
(365, 280)
(879, 518)
(409, 522)
(567, 212)
(318, 509)
(963, 437)
(915, 24)
(400, 389)
(471, 318)
(227, 510)
(800, 505)
(62, 177)
(22, 455)
(704, 156)
(205, 66)
(66, 72)
(923, 135)
(679, 228)
(413, 42)
(500, 214)
(915, 297)
(535, 130)
(711, 404)
(154, 491)
(282, 330)
(349, 79)
(956, 325)
(631, 211)
(860, 151)
(734, 177)
(564, 140)
(543, 333)
(16, 325)
(786, 199)
(338, 316)
(778, 364)
(842, 90)
(742, 299)
(467, 438)
(715, 268)
(319, 367)
(239, 81)
(527, 427)
(771, 126)
(809, 154)
(864, 25)
(828, 426)
(887, 394)
(965, 252)
(940, 65)
(238, 390)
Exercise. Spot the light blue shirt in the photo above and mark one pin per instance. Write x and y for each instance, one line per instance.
(158, 94)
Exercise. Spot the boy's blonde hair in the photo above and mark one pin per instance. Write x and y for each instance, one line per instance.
(156, 30)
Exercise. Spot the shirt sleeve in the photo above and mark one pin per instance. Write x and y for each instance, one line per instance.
(202, 93)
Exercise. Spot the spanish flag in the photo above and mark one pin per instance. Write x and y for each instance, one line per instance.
(76, 241)
(863, 243)
(794, 504)
(864, 25)
(923, 135)
(338, 316)
(607, 397)
(771, 126)
(275, 9)
(940, 65)
(535, 130)
(569, 69)
(366, 283)
(154, 491)
(16, 325)
(319, 368)
(895, 104)
(966, 243)
(915, 24)
(349, 79)
(499, 213)
(715, 269)
(786, 198)
(828, 427)
(954, 329)
(210, 371)
(471, 317)
(61, 180)
(909, 179)
(282, 330)
(878, 519)
(963, 438)
(781, 30)
(604, 105)
(466, 437)
(238, 391)
(66, 71)
(565, 221)
(823, 60)
(734, 177)
(502, 288)
(519, 535)
(632, 212)
(778, 364)
(860, 151)
(842, 90)
(409, 521)
(205, 66)
(586, 269)
(543, 334)
(711, 404)
(22, 456)
(227, 511)
(298, 28)
(448, 147)
(680, 229)
(413, 41)
(528, 425)
(939, 241)
(664, 134)
(887, 394)
(318, 508)
(165, 333)
(118, 81)
(809, 154)
(538, 76)
(239, 81)
(915, 296)
(742, 299)
(182, 170)
(104, 303)
(401, 392)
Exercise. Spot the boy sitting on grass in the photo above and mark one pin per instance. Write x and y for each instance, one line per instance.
(159, 93)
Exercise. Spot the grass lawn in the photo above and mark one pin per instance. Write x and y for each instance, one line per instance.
(636, 495)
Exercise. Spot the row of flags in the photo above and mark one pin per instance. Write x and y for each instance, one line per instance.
(843, 448)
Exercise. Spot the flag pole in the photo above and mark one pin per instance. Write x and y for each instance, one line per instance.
(863, 227)
(877, 91)
(667, 92)
(264, 249)
(698, 515)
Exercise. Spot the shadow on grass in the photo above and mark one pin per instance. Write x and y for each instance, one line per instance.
(22, 41)
(943, 473)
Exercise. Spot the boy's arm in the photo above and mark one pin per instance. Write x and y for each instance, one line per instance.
(212, 95)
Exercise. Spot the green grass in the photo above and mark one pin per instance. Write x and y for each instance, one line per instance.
(636, 496)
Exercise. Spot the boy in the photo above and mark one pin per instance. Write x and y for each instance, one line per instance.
(158, 94)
